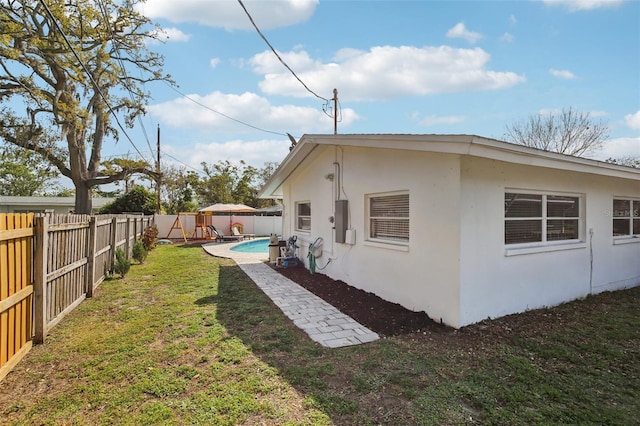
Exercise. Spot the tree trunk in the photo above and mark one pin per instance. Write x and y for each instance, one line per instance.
(83, 198)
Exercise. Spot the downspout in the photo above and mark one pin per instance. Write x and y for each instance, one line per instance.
(590, 260)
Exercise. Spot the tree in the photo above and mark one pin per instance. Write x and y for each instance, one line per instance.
(178, 190)
(628, 161)
(66, 65)
(264, 174)
(224, 182)
(567, 132)
(137, 200)
(25, 174)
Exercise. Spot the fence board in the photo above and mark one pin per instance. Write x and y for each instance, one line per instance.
(48, 266)
(4, 291)
(16, 289)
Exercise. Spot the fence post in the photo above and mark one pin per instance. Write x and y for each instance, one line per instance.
(114, 233)
(127, 240)
(135, 229)
(91, 256)
(40, 278)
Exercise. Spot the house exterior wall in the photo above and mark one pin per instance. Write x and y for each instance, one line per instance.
(423, 276)
(456, 266)
(496, 280)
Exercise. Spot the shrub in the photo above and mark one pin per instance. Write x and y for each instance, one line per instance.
(122, 264)
(138, 200)
(138, 252)
(150, 237)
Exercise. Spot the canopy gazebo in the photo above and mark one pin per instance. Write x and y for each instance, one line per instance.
(226, 208)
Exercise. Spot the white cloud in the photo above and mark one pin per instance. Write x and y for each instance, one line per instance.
(233, 111)
(254, 153)
(577, 5)
(633, 120)
(229, 15)
(214, 62)
(267, 63)
(512, 20)
(460, 31)
(506, 37)
(562, 74)
(596, 113)
(383, 72)
(434, 120)
(557, 111)
(619, 148)
(165, 35)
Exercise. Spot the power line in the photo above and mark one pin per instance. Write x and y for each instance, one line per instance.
(183, 163)
(277, 55)
(105, 14)
(86, 70)
(222, 114)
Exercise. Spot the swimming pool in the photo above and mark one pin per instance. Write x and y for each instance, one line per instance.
(255, 246)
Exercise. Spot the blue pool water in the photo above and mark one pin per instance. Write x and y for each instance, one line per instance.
(256, 246)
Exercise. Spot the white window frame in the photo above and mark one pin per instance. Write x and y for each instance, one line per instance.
(392, 241)
(631, 236)
(298, 225)
(545, 244)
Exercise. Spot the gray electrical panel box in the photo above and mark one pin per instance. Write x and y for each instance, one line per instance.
(341, 219)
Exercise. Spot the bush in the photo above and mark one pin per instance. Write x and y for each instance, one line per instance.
(138, 252)
(150, 237)
(122, 264)
(137, 200)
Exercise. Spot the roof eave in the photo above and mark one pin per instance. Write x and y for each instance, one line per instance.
(471, 145)
(273, 187)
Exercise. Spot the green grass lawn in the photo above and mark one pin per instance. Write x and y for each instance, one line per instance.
(186, 338)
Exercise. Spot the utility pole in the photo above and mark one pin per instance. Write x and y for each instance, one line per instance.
(335, 111)
(158, 172)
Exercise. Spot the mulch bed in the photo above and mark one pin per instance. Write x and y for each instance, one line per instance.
(385, 318)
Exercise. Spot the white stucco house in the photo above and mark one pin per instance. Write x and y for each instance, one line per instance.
(459, 226)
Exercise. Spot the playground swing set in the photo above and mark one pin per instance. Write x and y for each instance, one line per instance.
(203, 222)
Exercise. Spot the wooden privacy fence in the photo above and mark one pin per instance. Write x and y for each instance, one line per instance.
(16, 288)
(49, 265)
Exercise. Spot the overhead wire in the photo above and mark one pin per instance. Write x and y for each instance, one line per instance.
(105, 14)
(222, 114)
(86, 70)
(183, 163)
(104, 11)
(278, 56)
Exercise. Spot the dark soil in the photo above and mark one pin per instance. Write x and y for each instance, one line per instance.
(385, 318)
(391, 319)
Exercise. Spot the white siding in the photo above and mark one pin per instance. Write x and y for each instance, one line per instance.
(456, 266)
(494, 284)
(423, 278)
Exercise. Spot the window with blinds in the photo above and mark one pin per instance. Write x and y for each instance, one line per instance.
(388, 217)
(626, 217)
(303, 216)
(540, 218)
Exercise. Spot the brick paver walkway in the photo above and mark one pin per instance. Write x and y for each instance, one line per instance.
(320, 320)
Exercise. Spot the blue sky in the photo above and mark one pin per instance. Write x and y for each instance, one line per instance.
(460, 67)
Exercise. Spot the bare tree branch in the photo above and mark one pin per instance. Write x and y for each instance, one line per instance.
(568, 132)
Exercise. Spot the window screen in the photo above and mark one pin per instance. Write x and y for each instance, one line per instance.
(303, 216)
(626, 217)
(532, 218)
(389, 217)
